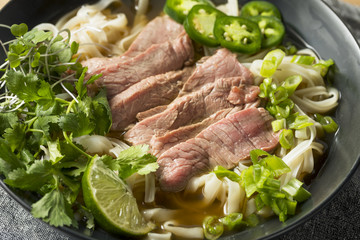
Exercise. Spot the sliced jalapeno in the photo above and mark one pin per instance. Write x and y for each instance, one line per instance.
(272, 30)
(262, 8)
(179, 9)
(199, 24)
(238, 34)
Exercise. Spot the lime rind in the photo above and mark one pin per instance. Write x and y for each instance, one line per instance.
(111, 201)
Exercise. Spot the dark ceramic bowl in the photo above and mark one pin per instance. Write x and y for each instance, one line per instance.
(319, 27)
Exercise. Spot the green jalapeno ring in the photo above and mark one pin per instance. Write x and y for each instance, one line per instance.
(272, 30)
(238, 34)
(262, 8)
(179, 9)
(199, 24)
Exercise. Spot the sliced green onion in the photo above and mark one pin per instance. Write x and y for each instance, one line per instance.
(279, 95)
(287, 138)
(272, 184)
(294, 189)
(252, 220)
(291, 207)
(271, 62)
(266, 87)
(222, 172)
(282, 110)
(278, 124)
(213, 229)
(263, 177)
(302, 59)
(323, 66)
(232, 220)
(288, 48)
(291, 83)
(277, 165)
(259, 202)
(249, 183)
(300, 122)
(256, 153)
(328, 124)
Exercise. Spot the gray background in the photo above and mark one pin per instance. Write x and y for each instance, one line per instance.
(340, 219)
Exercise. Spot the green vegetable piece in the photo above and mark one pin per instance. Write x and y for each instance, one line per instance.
(213, 228)
(8, 159)
(238, 34)
(287, 139)
(252, 220)
(32, 179)
(179, 9)
(14, 60)
(271, 62)
(54, 209)
(278, 124)
(233, 220)
(301, 121)
(135, 159)
(199, 24)
(282, 110)
(302, 59)
(272, 30)
(262, 8)
(323, 66)
(291, 83)
(278, 95)
(266, 87)
(294, 189)
(328, 124)
(76, 123)
(222, 172)
(18, 30)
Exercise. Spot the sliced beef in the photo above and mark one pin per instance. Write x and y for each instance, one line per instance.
(160, 144)
(222, 64)
(192, 108)
(224, 143)
(146, 94)
(159, 30)
(159, 58)
(151, 112)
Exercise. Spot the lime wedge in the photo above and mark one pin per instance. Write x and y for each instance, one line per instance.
(111, 202)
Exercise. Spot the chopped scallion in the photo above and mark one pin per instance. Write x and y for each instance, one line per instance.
(213, 229)
(303, 59)
(287, 138)
(278, 124)
(291, 83)
(328, 124)
(271, 62)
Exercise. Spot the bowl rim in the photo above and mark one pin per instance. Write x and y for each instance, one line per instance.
(310, 214)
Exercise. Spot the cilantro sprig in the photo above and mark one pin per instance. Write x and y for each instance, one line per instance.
(44, 104)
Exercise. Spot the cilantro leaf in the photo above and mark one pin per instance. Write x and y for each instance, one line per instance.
(15, 136)
(136, 159)
(78, 124)
(8, 160)
(32, 179)
(7, 120)
(28, 87)
(24, 86)
(54, 209)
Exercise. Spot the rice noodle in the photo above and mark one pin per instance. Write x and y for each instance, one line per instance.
(191, 232)
(101, 33)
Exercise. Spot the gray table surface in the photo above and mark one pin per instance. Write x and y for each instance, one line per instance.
(340, 219)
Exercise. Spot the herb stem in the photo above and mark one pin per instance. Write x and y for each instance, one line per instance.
(75, 147)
